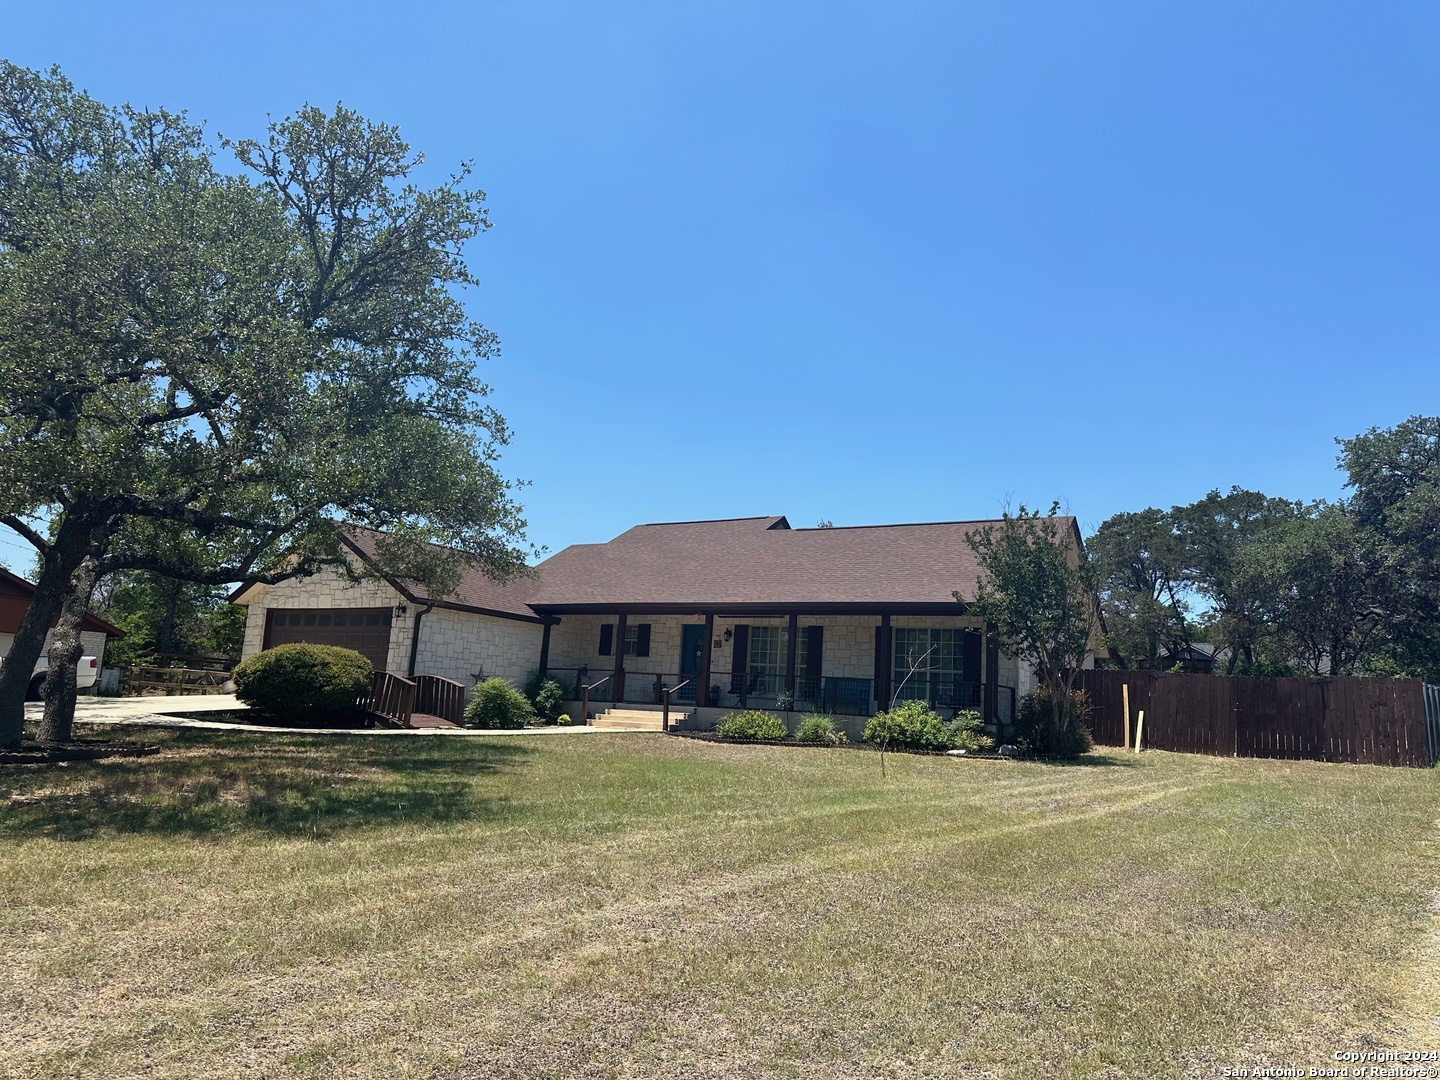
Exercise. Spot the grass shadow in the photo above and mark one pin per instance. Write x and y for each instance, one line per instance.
(202, 785)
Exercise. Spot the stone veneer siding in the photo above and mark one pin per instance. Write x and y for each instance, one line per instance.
(453, 644)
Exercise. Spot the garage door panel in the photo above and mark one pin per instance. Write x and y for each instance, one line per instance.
(366, 630)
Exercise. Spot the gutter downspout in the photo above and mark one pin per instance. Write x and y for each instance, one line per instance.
(415, 638)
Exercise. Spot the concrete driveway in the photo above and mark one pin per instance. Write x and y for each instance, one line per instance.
(160, 712)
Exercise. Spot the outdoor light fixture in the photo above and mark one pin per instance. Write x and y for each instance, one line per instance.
(400, 609)
(727, 633)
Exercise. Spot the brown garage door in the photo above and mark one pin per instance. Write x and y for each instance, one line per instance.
(366, 630)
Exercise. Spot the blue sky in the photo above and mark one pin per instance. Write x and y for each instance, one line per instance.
(881, 262)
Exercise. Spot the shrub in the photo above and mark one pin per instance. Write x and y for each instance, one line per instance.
(305, 684)
(546, 696)
(967, 732)
(497, 704)
(819, 729)
(751, 725)
(911, 725)
(1034, 729)
(549, 700)
(564, 720)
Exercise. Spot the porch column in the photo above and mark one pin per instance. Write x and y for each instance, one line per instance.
(545, 648)
(617, 680)
(702, 676)
(882, 669)
(790, 656)
(991, 714)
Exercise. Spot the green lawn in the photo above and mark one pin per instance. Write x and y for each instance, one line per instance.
(644, 906)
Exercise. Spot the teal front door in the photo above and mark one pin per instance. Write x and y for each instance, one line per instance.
(692, 640)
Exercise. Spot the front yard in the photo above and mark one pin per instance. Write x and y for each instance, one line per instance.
(643, 906)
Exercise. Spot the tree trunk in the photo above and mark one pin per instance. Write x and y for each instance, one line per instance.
(66, 648)
(71, 545)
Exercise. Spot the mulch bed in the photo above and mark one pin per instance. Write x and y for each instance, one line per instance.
(710, 736)
(48, 753)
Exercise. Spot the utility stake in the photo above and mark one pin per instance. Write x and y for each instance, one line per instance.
(1139, 730)
(1125, 694)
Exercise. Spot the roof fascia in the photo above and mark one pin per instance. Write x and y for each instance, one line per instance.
(737, 610)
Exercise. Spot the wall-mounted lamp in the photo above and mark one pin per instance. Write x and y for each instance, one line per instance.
(727, 633)
(400, 609)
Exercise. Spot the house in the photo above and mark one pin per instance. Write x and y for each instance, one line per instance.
(735, 613)
(15, 596)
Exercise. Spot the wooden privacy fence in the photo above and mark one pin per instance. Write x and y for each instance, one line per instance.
(1352, 719)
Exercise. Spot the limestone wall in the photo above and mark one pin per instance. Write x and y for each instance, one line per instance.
(453, 644)
(461, 645)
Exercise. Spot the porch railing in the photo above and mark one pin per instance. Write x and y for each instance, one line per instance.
(838, 695)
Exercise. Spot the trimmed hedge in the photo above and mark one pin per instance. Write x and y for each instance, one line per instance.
(305, 684)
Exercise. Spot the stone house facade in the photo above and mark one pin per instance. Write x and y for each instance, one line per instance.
(736, 613)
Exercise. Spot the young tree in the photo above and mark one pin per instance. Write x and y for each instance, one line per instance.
(245, 363)
(1038, 592)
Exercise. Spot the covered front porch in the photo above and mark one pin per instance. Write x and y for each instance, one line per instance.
(839, 663)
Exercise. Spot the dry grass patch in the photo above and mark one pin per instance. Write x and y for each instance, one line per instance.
(637, 906)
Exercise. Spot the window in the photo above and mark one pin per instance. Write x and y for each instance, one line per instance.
(930, 666)
(636, 643)
(769, 647)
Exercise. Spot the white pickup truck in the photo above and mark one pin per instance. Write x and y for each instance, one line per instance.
(87, 671)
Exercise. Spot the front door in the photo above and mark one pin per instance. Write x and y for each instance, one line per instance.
(692, 640)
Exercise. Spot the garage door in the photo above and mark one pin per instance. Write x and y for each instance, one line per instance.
(366, 630)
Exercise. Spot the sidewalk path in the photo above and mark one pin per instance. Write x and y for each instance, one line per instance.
(159, 712)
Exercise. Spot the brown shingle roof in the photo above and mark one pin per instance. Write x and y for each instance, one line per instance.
(763, 562)
(475, 590)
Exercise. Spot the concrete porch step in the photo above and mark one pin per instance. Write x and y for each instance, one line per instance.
(636, 719)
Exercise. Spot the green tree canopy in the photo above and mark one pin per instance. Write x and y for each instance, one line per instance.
(1144, 591)
(248, 360)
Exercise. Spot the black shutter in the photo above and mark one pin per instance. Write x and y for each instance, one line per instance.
(879, 657)
(607, 638)
(739, 659)
(970, 657)
(814, 650)
(642, 639)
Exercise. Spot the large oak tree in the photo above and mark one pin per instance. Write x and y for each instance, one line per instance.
(205, 374)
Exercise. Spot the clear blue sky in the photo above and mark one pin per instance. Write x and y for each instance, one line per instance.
(888, 261)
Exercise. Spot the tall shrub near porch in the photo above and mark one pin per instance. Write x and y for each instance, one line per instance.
(1038, 592)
